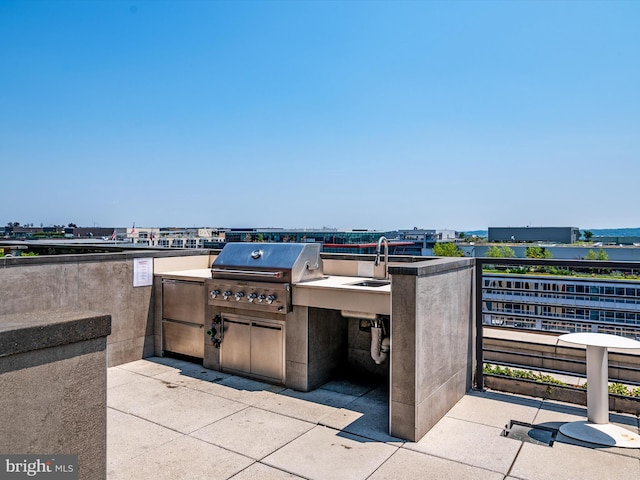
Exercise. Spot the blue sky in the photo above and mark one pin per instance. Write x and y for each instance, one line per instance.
(304, 114)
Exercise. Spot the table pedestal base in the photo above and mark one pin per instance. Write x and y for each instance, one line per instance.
(601, 434)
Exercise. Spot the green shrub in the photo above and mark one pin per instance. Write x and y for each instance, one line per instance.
(619, 389)
(524, 374)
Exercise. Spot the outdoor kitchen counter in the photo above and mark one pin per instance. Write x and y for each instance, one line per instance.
(339, 293)
(197, 275)
(332, 291)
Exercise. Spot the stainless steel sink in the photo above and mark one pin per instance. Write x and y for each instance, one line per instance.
(372, 283)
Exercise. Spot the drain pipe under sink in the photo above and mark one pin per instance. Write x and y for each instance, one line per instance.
(379, 346)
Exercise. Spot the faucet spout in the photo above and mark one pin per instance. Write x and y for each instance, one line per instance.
(382, 240)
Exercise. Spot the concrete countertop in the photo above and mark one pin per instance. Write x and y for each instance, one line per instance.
(328, 281)
(340, 282)
(339, 293)
(197, 275)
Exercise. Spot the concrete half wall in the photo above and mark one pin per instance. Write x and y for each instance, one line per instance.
(98, 282)
(432, 342)
(53, 379)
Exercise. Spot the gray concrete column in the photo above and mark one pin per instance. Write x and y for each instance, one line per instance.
(53, 379)
(432, 342)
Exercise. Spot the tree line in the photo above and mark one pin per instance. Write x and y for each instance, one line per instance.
(450, 249)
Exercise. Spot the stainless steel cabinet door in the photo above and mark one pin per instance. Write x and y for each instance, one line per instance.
(267, 350)
(235, 352)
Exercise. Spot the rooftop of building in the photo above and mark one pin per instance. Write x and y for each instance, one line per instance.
(173, 419)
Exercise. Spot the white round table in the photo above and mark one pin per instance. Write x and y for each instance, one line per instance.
(597, 428)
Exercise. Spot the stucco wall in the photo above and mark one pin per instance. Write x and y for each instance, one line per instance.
(53, 379)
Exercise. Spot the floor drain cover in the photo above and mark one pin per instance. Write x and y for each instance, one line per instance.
(525, 432)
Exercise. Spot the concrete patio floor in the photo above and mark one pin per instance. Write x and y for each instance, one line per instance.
(170, 419)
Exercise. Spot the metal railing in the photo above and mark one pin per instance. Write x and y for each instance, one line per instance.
(554, 270)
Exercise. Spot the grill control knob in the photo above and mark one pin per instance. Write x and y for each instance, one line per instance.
(239, 295)
(214, 293)
(226, 295)
(262, 298)
(270, 299)
(252, 297)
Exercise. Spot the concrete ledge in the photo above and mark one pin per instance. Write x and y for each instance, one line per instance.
(26, 332)
(535, 350)
(562, 393)
(97, 257)
(432, 266)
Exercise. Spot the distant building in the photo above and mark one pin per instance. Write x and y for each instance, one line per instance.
(176, 237)
(534, 234)
(446, 235)
(91, 232)
(422, 241)
(619, 240)
(562, 304)
(58, 231)
(332, 240)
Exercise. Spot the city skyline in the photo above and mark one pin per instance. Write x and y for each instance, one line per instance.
(376, 115)
(483, 232)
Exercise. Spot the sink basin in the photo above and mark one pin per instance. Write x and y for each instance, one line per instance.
(372, 283)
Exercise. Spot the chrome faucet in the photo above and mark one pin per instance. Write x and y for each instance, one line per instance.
(386, 255)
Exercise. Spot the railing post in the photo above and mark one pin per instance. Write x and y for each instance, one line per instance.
(479, 327)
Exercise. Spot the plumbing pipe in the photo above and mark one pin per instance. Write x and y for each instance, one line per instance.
(379, 346)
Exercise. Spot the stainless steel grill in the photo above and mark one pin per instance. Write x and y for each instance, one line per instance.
(258, 276)
(248, 299)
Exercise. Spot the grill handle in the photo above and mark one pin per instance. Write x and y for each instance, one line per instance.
(253, 273)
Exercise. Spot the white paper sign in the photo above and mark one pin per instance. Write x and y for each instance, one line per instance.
(142, 272)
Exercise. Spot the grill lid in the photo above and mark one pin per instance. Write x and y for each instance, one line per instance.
(275, 262)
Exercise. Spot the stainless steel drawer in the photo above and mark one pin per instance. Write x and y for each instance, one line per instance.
(183, 338)
(184, 301)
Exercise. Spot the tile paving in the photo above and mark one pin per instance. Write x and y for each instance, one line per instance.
(170, 419)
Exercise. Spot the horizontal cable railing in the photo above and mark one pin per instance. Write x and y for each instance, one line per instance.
(539, 296)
